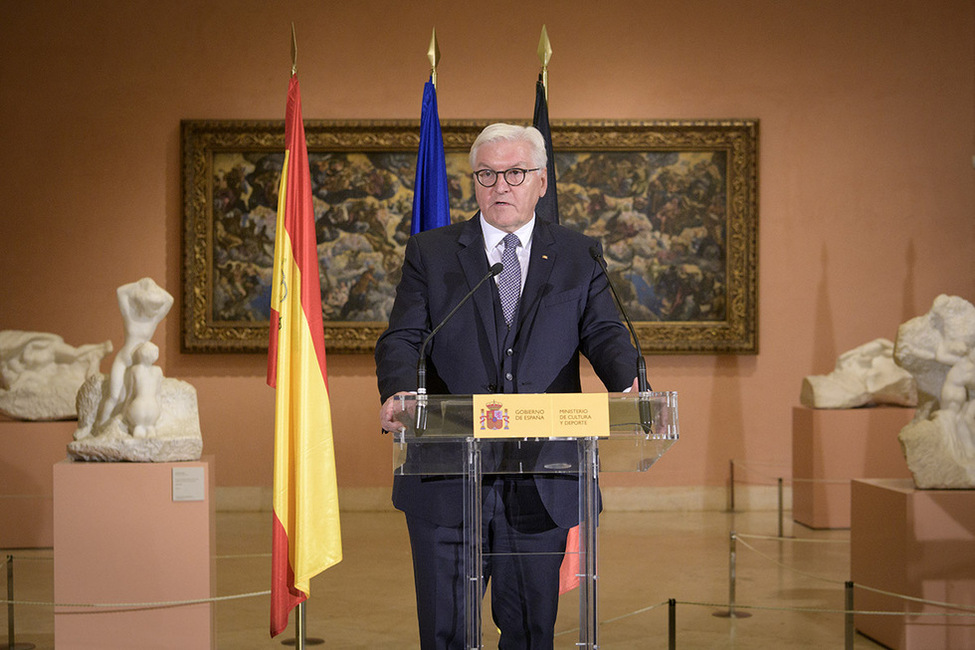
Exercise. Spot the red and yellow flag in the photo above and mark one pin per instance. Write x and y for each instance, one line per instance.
(306, 538)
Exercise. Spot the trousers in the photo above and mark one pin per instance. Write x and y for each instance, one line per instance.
(522, 552)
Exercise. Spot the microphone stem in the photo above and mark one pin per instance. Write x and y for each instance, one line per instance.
(421, 362)
(643, 403)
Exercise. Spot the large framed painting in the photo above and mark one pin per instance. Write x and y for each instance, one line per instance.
(674, 203)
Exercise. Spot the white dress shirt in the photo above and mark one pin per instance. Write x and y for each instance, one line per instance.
(494, 247)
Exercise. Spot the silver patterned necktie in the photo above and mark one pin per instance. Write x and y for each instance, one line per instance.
(509, 282)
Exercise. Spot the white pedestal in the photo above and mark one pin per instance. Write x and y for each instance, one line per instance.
(916, 543)
(120, 537)
(28, 450)
(832, 446)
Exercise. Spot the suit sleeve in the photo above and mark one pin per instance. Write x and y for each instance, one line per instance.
(604, 339)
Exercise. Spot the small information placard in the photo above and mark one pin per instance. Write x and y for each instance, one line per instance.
(189, 484)
(542, 415)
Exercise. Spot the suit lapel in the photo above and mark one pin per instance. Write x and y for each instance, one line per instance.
(474, 263)
(539, 269)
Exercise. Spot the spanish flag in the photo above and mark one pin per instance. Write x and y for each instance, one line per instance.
(306, 538)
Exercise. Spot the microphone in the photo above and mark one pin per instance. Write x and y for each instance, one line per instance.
(646, 419)
(421, 363)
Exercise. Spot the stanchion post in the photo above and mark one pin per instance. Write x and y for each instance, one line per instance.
(672, 624)
(850, 632)
(732, 561)
(10, 601)
(11, 640)
(731, 505)
(781, 508)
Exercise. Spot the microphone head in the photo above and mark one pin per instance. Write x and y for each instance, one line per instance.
(596, 255)
(497, 268)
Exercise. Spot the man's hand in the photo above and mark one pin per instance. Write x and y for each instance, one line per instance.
(388, 411)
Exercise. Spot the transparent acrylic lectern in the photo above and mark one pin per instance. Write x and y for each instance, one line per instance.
(477, 436)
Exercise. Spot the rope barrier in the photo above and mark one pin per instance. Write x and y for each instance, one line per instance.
(50, 558)
(785, 566)
(915, 599)
(748, 466)
(793, 539)
(821, 610)
(153, 605)
(809, 610)
(642, 610)
(925, 601)
(757, 462)
(793, 479)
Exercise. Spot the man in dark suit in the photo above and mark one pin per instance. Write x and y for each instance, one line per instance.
(520, 334)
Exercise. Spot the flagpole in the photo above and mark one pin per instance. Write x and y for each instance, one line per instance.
(433, 54)
(547, 208)
(294, 51)
(300, 631)
(544, 55)
(301, 639)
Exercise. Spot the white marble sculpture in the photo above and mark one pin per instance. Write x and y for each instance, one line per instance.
(863, 376)
(135, 413)
(40, 374)
(938, 349)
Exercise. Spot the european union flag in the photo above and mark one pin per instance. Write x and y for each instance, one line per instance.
(431, 201)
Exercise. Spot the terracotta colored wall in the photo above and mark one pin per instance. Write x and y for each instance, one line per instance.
(867, 195)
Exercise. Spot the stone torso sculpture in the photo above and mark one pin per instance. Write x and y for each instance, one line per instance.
(143, 305)
(144, 387)
(863, 376)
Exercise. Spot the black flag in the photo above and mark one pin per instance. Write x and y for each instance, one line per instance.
(548, 206)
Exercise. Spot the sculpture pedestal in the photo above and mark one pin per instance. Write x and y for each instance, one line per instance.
(28, 450)
(832, 446)
(916, 543)
(121, 536)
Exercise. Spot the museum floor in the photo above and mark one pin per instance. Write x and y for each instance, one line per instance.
(646, 559)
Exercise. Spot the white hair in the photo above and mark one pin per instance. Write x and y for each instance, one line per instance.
(501, 131)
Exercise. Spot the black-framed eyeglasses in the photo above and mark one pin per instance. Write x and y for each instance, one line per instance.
(513, 177)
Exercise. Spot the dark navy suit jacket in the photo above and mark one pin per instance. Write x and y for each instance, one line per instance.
(566, 309)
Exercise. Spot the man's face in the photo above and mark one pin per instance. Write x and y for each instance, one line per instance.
(505, 207)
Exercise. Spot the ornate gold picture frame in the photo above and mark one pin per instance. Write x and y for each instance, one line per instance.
(674, 203)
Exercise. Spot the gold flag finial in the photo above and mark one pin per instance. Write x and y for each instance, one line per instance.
(434, 55)
(294, 51)
(544, 55)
